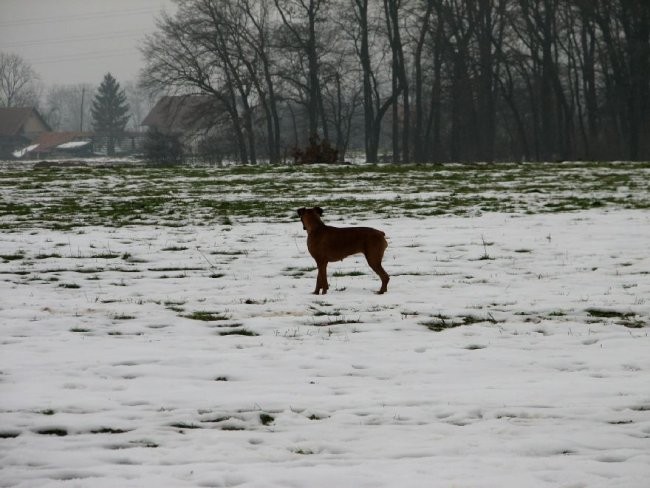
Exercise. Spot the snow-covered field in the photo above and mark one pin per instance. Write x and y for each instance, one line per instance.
(510, 351)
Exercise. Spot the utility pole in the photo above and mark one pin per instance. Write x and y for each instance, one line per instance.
(81, 123)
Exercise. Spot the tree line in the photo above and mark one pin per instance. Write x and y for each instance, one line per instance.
(418, 80)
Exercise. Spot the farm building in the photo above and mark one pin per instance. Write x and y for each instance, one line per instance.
(190, 118)
(19, 129)
(59, 144)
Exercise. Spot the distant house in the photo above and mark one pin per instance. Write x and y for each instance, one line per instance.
(61, 145)
(189, 117)
(19, 128)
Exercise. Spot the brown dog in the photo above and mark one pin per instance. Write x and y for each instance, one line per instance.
(327, 244)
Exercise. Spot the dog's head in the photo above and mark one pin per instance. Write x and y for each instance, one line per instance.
(310, 217)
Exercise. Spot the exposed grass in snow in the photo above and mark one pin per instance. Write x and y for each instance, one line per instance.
(64, 198)
(177, 343)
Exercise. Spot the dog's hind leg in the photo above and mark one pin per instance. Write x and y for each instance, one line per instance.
(374, 261)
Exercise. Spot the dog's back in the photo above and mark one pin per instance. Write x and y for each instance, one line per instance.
(336, 243)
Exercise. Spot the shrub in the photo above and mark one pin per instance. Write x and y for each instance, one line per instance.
(316, 152)
(163, 148)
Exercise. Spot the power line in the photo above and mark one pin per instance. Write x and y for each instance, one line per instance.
(87, 56)
(68, 18)
(63, 40)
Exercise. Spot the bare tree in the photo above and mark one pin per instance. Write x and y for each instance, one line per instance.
(371, 49)
(302, 26)
(342, 99)
(424, 10)
(400, 83)
(256, 36)
(181, 58)
(18, 82)
(221, 36)
(625, 26)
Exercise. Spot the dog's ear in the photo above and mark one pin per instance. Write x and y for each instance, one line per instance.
(301, 211)
(319, 210)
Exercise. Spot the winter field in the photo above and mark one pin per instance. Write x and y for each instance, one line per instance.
(157, 328)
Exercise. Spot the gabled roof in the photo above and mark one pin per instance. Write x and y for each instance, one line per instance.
(50, 140)
(12, 119)
(183, 113)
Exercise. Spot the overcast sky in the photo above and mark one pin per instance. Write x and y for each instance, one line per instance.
(79, 41)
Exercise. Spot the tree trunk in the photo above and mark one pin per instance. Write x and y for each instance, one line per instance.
(420, 109)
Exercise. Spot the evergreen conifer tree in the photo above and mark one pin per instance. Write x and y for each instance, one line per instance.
(110, 112)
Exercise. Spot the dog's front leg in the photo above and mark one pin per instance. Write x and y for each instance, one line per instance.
(318, 280)
(321, 279)
(317, 290)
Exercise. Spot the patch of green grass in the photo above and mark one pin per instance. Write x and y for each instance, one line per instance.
(109, 430)
(338, 321)
(338, 274)
(175, 248)
(105, 255)
(632, 322)
(302, 452)
(71, 286)
(47, 256)
(298, 272)
(185, 426)
(266, 419)
(217, 420)
(228, 253)
(557, 313)
(627, 319)
(607, 313)
(317, 312)
(88, 270)
(440, 322)
(55, 431)
(641, 408)
(123, 316)
(169, 269)
(12, 257)
(207, 316)
(242, 332)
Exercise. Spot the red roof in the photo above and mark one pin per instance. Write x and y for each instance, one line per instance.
(49, 140)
